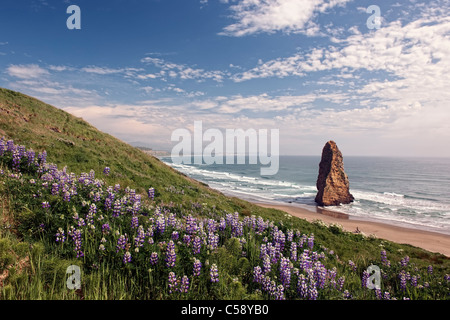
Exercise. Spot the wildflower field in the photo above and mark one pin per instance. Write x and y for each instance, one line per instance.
(132, 245)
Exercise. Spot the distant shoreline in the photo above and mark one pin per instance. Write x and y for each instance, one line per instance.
(428, 240)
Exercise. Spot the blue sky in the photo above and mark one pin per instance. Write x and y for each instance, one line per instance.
(310, 68)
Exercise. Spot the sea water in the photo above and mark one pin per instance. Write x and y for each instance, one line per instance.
(411, 192)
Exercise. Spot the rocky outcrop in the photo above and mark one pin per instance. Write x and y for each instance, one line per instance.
(332, 182)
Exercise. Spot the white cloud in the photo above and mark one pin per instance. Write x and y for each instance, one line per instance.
(183, 71)
(28, 71)
(268, 16)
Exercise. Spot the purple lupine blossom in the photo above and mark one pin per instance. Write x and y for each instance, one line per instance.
(60, 236)
(402, 277)
(365, 278)
(340, 283)
(81, 222)
(257, 274)
(175, 235)
(140, 238)
(311, 241)
(55, 189)
(267, 266)
(171, 255)
(293, 251)
(414, 281)
(117, 211)
(127, 257)
(151, 193)
(197, 267)
(122, 242)
(92, 211)
(161, 224)
(154, 258)
(134, 222)
(184, 286)
(66, 196)
(279, 293)
(214, 273)
(213, 240)
(30, 157)
(404, 261)
(430, 269)
(320, 274)
(45, 205)
(352, 265)
(76, 237)
(106, 228)
(106, 171)
(172, 282)
(302, 286)
(384, 260)
(197, 244)
(222, 224)
(191, 225)
(285, 272)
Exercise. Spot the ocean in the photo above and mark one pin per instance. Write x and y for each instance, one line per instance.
(410, 192)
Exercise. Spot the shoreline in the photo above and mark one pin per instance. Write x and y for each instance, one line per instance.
(428, 240)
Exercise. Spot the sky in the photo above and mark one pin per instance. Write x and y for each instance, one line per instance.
(316, 70)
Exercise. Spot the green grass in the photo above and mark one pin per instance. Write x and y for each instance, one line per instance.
(33, 267)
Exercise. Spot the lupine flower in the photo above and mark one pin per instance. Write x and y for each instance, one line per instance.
(45, 205)
(352, 265)
(106, 171)
(55, 189)
(279, 293)
(122, 242)
(175, 235)
(404, 261)
(257, 274)
(117, 211)
(214, 273)
(151, 193)
(365, 277)
(311, 241)
(172, 282)
(140, 238)
(184, 286)
(430, 269)
(197, 267)
(213, 240)
(293, 251)
(134, 222)
(384, 260)
(60, 236)
(197, 244)
(302, 287)
(266, 264)
(402, 277)
(154, 258)
(285, 272)
(171, 256)
(76, 237)
(105, 228)
(127, 257)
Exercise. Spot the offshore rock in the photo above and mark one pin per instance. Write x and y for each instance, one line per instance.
(332, 183)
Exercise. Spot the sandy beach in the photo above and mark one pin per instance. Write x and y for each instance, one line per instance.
(431, 241)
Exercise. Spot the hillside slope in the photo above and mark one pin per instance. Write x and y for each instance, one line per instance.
(70, 141)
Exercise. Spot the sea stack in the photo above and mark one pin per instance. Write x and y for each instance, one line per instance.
(332, 182)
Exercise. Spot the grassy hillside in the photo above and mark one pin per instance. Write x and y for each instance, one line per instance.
(145, 247)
